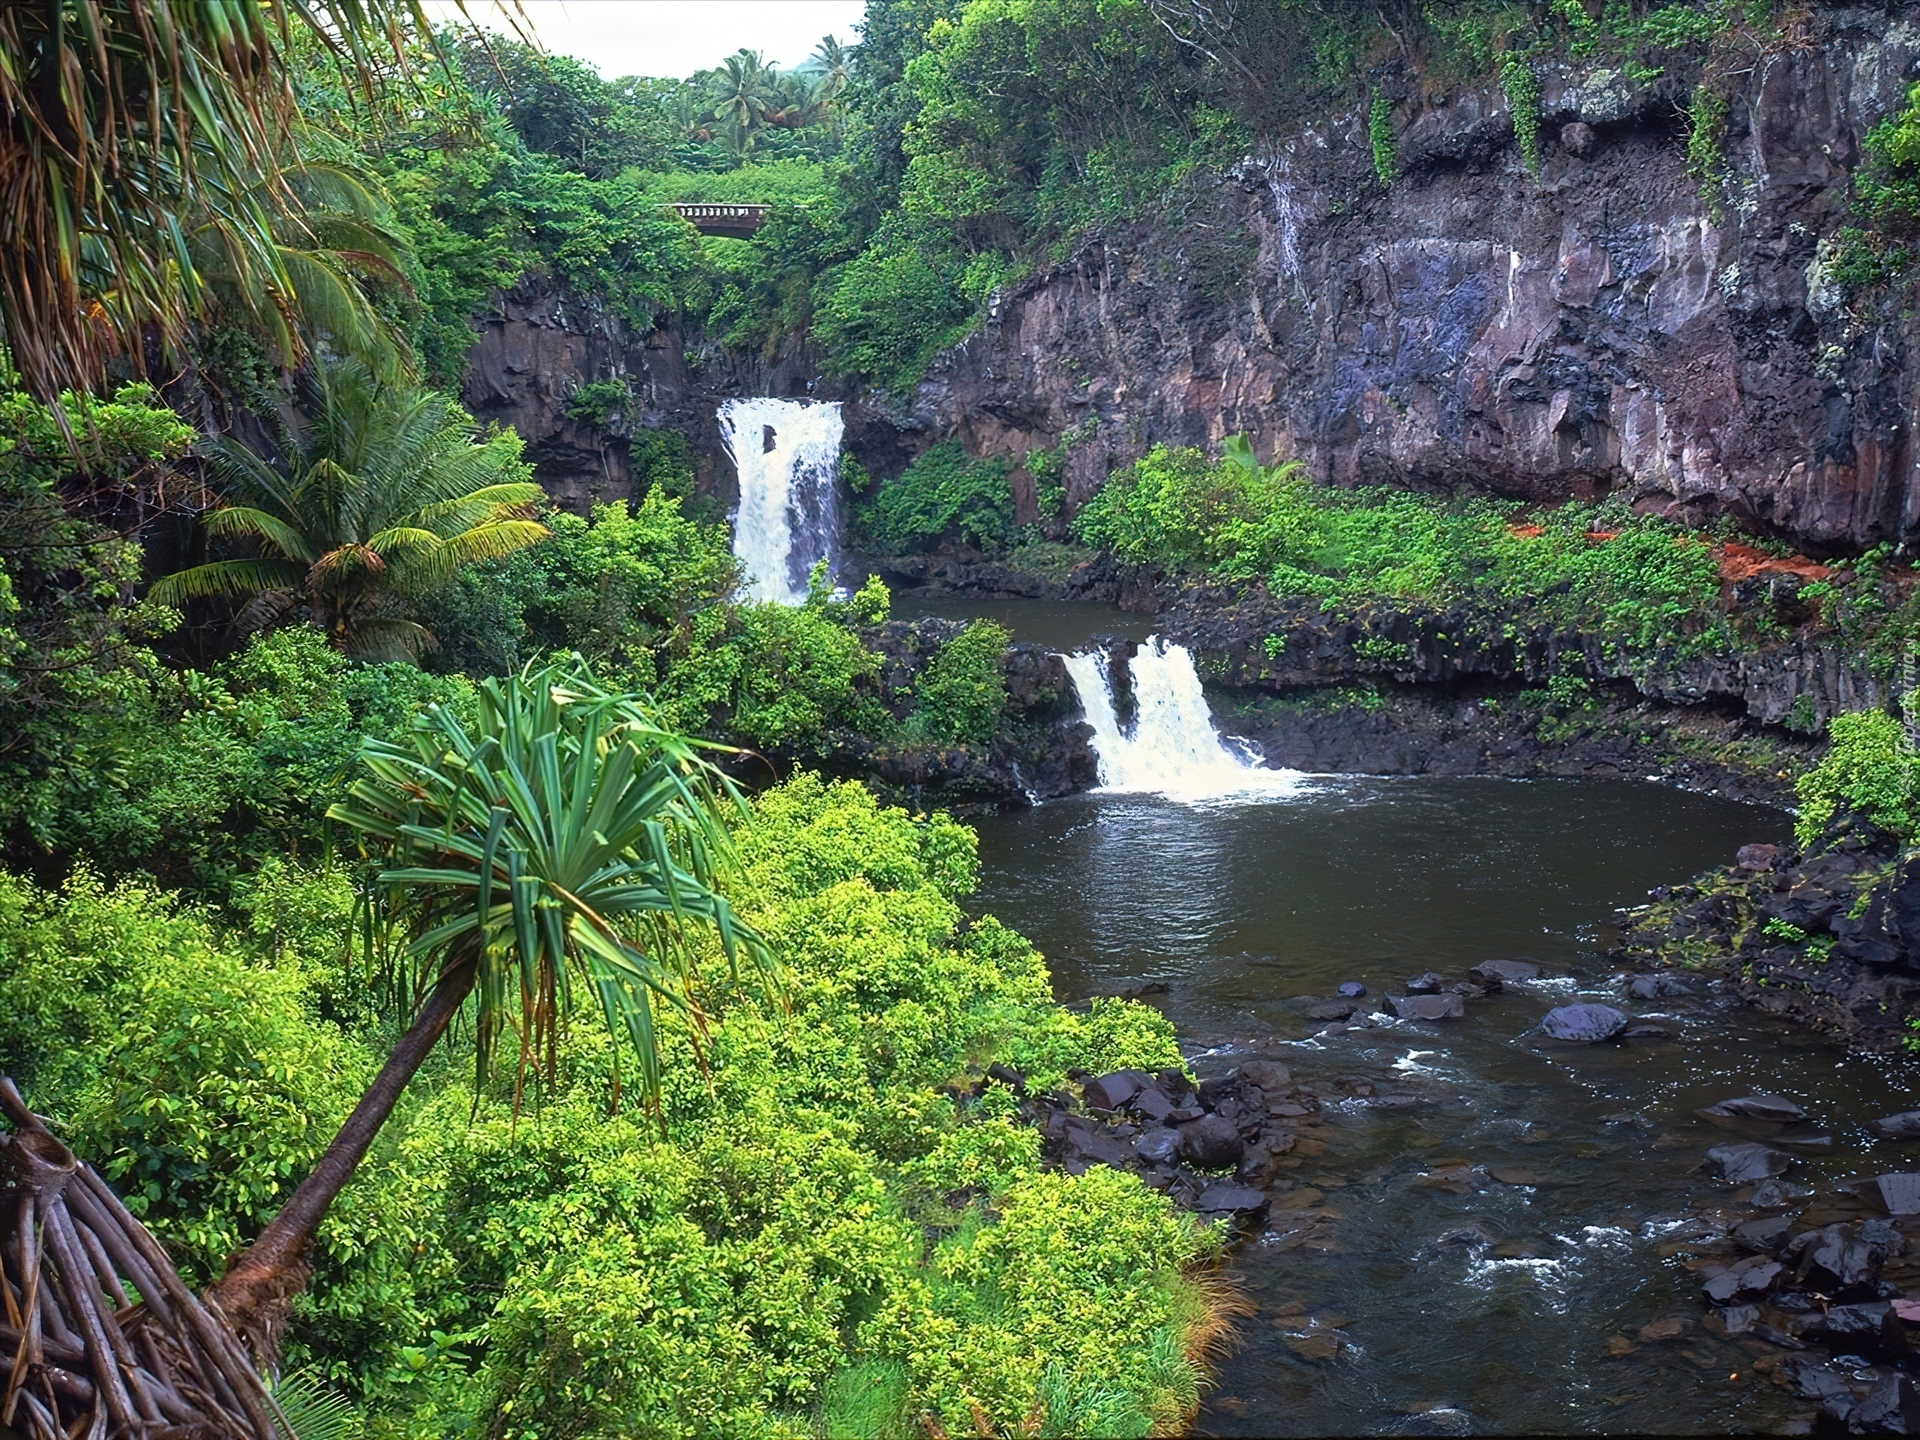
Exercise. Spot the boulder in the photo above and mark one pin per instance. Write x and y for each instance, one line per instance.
(1756, 858)
(1766, 1234)
(1583, 1024)
(1752, 1276)
(1745, 1164)
(1152, 1104)
(1757, 1107)
(1427, 1007)
(1333, 1009)
(1904, 1126)
(1495, 973)
(1211, 1143)
(1892, 1407)
(1659, 986)
(1110, 1092)
(1238, 1198)
(1265, 1075)
(1900, 1193)
(1157, 1146)
(1425, 983)
(1350, 989)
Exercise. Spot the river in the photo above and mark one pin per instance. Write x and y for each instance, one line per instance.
(1485, 1224)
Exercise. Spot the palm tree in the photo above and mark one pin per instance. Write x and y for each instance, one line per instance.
(126, 126)
(743, 90)
(385, 495)
(563, 840)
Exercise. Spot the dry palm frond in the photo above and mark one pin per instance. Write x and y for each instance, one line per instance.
(98, 1335)
(136, 138)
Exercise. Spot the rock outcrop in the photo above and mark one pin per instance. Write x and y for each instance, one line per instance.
(1601, 326)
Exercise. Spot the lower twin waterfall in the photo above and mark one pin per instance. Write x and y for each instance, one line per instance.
(1172, 748)
(787, 453)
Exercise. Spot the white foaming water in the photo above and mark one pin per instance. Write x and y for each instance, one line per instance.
(1172, 748)
(787, 453)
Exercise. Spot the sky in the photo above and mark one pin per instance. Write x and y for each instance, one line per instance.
(672, 38)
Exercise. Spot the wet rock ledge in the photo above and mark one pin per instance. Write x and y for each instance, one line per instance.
(1829, 937)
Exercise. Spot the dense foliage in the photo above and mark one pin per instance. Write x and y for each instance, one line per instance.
(1870, 767)
(942, 495)
(783, 1253)
(1638, 583)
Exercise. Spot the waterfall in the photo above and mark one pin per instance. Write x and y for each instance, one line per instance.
(787, 453)
(1172, 748)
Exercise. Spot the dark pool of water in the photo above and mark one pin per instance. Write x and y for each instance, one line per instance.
(1057, 624)
(1242, 909)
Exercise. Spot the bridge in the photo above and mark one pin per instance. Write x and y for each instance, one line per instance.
(738, 221)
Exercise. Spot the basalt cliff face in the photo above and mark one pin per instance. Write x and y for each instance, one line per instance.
(1597, 327)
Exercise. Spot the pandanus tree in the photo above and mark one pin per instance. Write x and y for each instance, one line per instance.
(384, 495)
(563, 849)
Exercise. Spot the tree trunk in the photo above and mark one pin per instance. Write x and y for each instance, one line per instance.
(254, 1293)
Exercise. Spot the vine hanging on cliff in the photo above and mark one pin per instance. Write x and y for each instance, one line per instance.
(1380, 133)
(1522, 88)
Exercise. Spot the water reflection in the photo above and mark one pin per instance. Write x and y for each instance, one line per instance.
(1487, 1218)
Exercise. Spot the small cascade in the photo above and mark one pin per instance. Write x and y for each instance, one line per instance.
(1172, 748)
(787, 453)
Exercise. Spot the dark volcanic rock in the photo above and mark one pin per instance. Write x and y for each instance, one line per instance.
(1744, 1164)
(1266, 1076)
(1766, 1234)
(1505, 972)
(1756, 857)
(1892, 1407)
(1900, 1193)
(1904, 1126)
(1334, 1009)
(1778, 1194)
(1211, 1143)
(1219, 1196)
(1658, 987)
(1157, 1146)
(1110, 1092)
(1757, 1107)
(1583, 1024)
(1350, 989)
(1425, 983)
(1427, 1007)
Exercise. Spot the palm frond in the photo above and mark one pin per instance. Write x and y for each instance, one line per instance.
(226, 577)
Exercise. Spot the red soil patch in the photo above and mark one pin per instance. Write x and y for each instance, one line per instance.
(1525, 532)
(1743, 562)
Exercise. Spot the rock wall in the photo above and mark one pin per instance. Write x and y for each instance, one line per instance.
(539, 344)
(1599, 327)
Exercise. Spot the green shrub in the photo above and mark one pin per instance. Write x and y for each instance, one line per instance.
(1869, 767)
(941, 496)
(963, 691)
(1380, 136)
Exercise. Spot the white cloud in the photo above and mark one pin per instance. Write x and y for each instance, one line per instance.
(672, 38)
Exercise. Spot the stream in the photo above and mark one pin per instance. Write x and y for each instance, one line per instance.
(1481, 1229)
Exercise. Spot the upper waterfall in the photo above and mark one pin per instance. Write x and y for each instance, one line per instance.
(1172, 748)
(787, 453)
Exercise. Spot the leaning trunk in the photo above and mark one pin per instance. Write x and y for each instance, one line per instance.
(254, 1293)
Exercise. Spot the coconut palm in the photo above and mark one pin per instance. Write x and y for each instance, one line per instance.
(744, 91)
(385, 495)
(562, 842)
(126, 126)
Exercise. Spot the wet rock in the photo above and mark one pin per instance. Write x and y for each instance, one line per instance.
(1495, 973)
(1659, 986)
(1765, 1235)
(1744, 1164)
(1756, 859)
(1837, 1257)
(1904, 1126)
(1427, 1007)
(1087, 1145)
(1350, 989)
(1900, 1193)
(1871, 1325)
(1211, 1143)
(1773, 1108)
(1157, 1146)
(1892, 1407)
(1752, 1276)
(1425, 983)
(1671, 1328)
(1110, 1092)
(1813, 1380)
(1779, 1194)
(1237, 1198)
(1265, 1075)
(1129, 987)
(1152, 1104)
(1333, 1009)
(1645, 1030)
(1738, 1319)
(1583, 1024)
